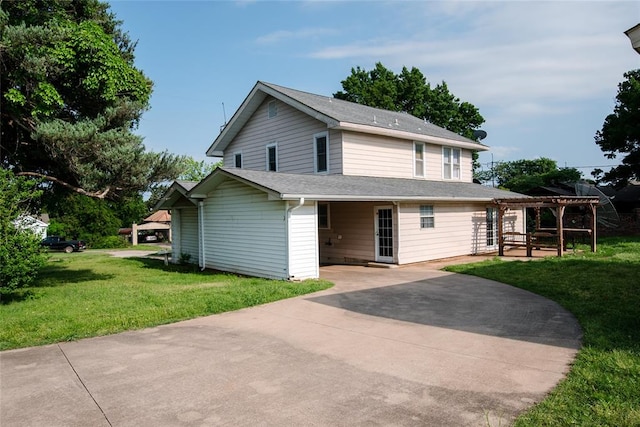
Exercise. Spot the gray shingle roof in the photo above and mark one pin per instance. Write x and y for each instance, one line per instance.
(337, 113)
(341, 187)
(350, 112)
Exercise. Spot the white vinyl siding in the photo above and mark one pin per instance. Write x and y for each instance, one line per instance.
(245, 232)
(294, 132)
(460, 230)
(184, 223)
(372, 155)
(303, 242)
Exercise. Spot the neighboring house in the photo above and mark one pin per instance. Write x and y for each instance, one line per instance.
(309, 180)
(37, 225)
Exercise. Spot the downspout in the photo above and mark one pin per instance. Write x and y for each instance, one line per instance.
(201, 214)
(291, 209)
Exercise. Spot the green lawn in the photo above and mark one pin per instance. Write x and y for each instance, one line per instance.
(88, 294)
(603, 291)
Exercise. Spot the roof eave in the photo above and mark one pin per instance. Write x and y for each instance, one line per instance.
(372, 198)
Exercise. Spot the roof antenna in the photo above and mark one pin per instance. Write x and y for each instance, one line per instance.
(224, 114)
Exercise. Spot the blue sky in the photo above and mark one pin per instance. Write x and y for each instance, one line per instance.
(543, 74)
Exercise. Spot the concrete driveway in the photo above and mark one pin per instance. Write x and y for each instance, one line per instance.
(407, 346)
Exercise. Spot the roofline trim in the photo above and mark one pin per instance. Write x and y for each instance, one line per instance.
(337, 197)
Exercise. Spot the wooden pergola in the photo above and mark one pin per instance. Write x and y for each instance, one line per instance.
(545, 237)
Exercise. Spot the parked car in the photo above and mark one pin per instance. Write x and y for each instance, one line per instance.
(62, 244)
(147, 237)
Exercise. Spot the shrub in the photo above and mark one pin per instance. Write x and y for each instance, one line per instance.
(21, 256)
(110, 242)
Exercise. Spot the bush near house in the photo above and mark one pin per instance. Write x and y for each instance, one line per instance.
(21, 256)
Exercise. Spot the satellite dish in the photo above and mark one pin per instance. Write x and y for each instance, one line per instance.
(479, 134)
(606, 213)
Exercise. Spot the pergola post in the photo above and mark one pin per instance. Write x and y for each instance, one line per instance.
(500, 231)
(559, 222)
(593, 227)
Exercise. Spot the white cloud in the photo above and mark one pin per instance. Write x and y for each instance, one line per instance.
(286, 35)
(533, 58)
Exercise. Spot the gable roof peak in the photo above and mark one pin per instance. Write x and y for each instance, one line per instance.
(339, 114)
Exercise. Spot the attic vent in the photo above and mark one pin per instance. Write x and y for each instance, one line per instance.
(273, 109)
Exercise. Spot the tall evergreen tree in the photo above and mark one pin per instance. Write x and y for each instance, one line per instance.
(71, 98)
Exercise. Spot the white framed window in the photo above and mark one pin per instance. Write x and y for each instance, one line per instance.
(272, 109)
(272, 157)
(321, 152)
(418, 159)
(237, 160)
(427, 218)
(324, 220)
(450, 163)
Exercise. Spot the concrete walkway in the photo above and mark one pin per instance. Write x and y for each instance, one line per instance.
(407, 347)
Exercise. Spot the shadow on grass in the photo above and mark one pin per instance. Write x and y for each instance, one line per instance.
(158, 264)
(55, 275)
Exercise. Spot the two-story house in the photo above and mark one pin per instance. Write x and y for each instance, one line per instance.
(311, 180)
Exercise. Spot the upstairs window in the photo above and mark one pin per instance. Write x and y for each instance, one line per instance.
(237, 160)
(427, 219)
(321, 152)
(450, 163)
(418, 159)
(272, 157)
(272, 109)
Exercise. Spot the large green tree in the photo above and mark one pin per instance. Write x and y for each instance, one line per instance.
(523, 175)
(409, 91)
(71, 98)
(620, 133)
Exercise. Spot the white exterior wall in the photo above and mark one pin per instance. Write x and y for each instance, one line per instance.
(373, 155)
(293, 132)
(350, 238)
(460, 229)
(303, 242)
(244, 232)
(184, 229)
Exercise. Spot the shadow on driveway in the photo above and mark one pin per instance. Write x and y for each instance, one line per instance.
(467, 304)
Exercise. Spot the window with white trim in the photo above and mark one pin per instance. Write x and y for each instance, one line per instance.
(323, 216)
(237, 160)
(427, 218)
(272, 109)
(450, 163)
(418, 159)
(272, 157)
(321, 152)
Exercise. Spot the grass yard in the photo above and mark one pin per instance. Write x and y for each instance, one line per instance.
(88, 294)
(603, 291)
